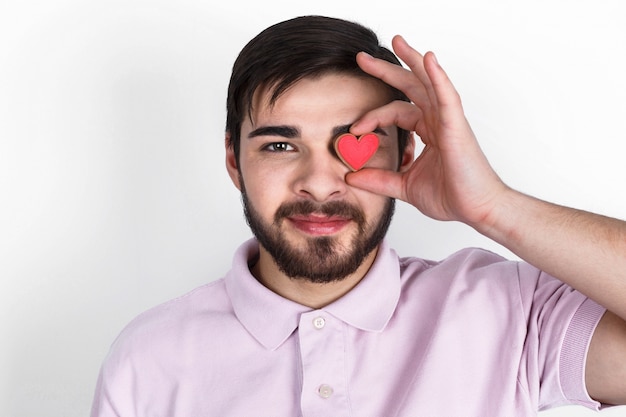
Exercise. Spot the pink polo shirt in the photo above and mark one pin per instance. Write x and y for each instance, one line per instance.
(473, 335)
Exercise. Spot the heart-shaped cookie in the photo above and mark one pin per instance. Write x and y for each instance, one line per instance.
(355, 152)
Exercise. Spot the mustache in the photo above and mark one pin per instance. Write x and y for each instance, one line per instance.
(331, 208)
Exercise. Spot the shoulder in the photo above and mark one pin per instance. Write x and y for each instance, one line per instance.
(491, 279)
(160, 328)
(207, 298)
(466, 262)
(168, 346)
(467, 282)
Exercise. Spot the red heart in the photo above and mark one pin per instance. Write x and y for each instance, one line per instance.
(356, 152)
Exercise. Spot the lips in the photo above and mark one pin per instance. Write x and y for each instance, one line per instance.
(319, 225)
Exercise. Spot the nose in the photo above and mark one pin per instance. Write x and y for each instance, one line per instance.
(321, 177)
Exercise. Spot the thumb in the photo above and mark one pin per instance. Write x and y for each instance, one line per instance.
(377, 181)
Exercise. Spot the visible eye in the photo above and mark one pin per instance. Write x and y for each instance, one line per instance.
(278, 147)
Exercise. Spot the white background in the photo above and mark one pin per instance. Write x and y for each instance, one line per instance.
(113, 191)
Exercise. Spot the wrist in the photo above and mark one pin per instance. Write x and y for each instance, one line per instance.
(503, 223)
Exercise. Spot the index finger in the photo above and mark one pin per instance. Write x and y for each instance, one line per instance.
(415, 61)
(395, 76)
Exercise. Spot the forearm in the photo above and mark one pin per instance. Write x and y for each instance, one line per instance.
(585, 250)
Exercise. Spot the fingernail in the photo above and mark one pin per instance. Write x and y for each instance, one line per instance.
(354, 125)
(435, 58)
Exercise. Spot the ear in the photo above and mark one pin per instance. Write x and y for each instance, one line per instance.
(408, 154)
(231, 162)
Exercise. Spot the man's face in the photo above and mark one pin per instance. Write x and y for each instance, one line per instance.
(296, 201)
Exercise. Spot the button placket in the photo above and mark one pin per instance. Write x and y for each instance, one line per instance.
(322, 349)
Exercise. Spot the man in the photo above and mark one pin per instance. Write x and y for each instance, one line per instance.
(319, 317)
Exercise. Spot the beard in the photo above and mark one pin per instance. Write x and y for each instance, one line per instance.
(320, 259)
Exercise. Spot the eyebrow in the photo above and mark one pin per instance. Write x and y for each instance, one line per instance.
(291, 132)
(288, 132)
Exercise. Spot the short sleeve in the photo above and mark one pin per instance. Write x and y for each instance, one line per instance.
(560, 325)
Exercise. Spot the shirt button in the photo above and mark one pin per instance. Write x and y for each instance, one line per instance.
(325, 391)
(319, 323)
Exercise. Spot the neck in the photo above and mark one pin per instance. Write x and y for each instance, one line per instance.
(302, 291)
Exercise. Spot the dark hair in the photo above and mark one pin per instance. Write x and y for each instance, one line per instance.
(295, 49)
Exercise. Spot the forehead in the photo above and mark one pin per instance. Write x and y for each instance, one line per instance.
(333, 95)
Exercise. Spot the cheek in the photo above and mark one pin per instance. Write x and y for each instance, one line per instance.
(386, 157)
(265, 190)
(371, 204)
(269, 175)
(262, 178)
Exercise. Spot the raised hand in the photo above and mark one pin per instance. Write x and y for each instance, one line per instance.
(451, 179)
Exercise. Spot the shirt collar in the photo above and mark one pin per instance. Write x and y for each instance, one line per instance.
(371, 303)
(271, 319)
